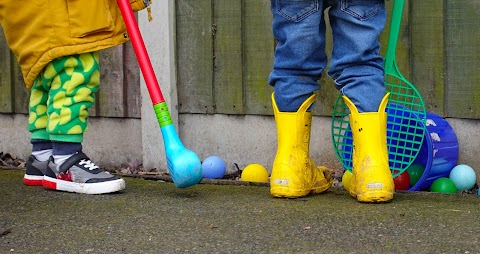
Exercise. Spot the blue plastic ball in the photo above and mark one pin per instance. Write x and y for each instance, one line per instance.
(213, 167)
(463, 176)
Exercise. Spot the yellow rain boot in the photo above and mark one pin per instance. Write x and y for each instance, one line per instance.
(372, 180)
(294, 174)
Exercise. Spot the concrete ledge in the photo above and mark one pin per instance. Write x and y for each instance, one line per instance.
(249, 139)
(240, 140)
(468, 135)
(14, 137)
(109, 141)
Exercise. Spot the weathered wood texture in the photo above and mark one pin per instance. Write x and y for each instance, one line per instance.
(6, 103)
(225, 54)
(195, 56)
(427, 53)
(118, 96)
(463, 58)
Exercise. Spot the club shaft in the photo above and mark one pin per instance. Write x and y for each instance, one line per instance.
(141, 52)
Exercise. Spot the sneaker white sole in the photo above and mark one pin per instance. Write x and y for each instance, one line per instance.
(84, 188)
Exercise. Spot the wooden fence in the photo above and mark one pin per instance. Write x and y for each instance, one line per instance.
(225, 52)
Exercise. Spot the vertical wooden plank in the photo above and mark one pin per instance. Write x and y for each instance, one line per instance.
(110, 95)
(463, 65)
(21, 93)
(132, 97)
(428, 56)
(227, 43)
(258, 56)
(194, 56)
(5, 76)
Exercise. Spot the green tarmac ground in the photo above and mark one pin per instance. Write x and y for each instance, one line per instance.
(156, 217)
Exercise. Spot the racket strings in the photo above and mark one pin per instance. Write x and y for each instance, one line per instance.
(404, 93)
(405, 126)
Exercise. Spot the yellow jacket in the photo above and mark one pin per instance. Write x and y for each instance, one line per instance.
(40, 31)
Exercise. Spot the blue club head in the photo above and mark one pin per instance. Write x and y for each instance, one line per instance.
(185, 167)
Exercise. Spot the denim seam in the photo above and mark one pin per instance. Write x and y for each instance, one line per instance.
(297, 18)
(356, 15)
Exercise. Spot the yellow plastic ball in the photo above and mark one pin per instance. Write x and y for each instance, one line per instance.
(346, 179)
(255, 173)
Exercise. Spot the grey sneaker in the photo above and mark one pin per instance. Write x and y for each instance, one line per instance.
(79, 174)
(35, 170)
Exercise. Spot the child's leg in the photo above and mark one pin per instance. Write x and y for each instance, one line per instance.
(300, 57)
(356, 64)
(73, 81)
(37, 125)
(299, 61)
(357, 68)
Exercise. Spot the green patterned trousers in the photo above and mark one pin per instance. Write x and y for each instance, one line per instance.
(60, 98)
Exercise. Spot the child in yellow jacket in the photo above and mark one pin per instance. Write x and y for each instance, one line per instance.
(56, 44)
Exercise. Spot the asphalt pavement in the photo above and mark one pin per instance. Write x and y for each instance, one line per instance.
(152, 216)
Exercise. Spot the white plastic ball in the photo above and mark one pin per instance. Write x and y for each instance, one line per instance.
(463, 176)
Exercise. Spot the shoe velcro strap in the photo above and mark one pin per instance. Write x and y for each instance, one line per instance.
(67, 164)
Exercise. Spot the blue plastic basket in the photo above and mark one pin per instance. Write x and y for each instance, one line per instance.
(439, 152)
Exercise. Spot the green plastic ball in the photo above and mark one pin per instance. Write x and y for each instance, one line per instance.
(443, 185)
(415, 171)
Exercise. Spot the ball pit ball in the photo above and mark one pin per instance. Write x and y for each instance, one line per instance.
(255, 173)
(443, 185)
(213, 167)
(463, 176)
(346, 179)
(415, 171)
(402, 181)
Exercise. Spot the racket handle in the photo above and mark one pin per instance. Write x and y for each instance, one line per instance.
(395, 24)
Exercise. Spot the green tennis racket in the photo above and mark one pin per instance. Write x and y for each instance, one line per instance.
(406, 112)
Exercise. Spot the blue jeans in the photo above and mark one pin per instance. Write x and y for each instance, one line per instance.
(300, 58)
